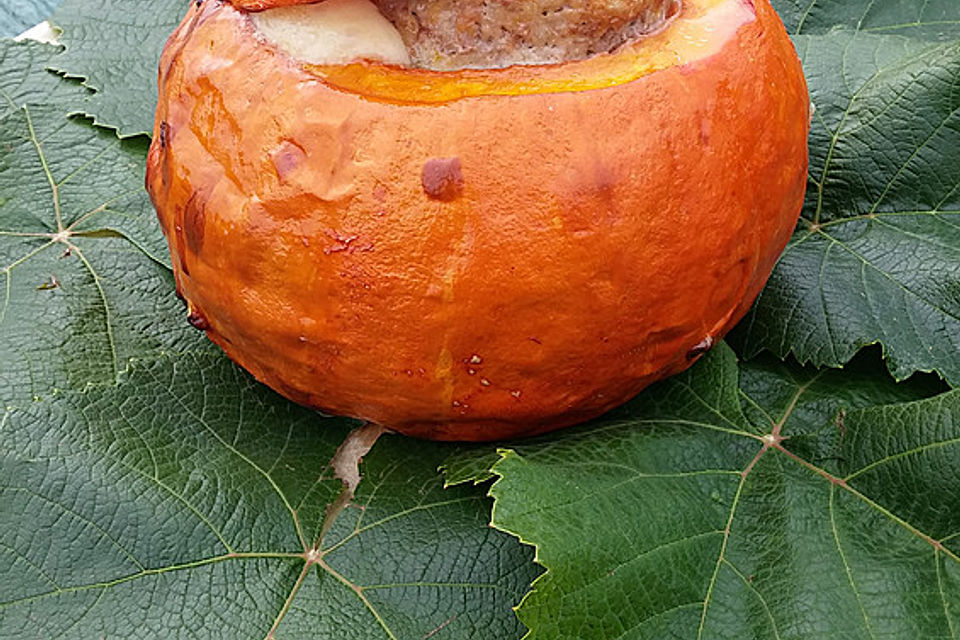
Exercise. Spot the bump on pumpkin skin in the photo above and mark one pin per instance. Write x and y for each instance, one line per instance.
(598, 237)
(442, 179)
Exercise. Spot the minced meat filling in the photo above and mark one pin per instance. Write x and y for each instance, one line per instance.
(453, 34)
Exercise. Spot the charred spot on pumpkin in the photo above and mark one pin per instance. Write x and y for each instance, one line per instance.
(195, 222)
(705, 345)
(198, 320)
(163, 134)
(442, 179)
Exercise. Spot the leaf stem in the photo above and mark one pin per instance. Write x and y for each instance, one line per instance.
(840, 482)
(289, 601)
(154, 572)
(46, 169)
(726, 537)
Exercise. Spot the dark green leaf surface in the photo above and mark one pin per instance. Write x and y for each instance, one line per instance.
(186, 501)
(930, 20)
(877, 255)
(469, 465)
(708, 509)
(84, 285)
(25, 80)
(114, 47)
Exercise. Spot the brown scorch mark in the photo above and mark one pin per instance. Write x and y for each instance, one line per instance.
(442, 179)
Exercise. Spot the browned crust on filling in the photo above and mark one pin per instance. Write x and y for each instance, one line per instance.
(453, 34)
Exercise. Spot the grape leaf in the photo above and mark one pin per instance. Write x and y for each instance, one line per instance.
(876, 257)
(84, 285)
(774, 383)
(25, 79)
(469, 465)
(708, 509)
(930, 20)
(114, 47)
(190, 501)
(18, 15)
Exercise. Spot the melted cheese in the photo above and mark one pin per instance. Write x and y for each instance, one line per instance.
(333, 32)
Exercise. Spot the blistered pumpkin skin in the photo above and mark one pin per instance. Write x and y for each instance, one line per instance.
(477, 255)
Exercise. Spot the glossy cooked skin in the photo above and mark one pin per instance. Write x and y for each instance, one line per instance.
(484, 267)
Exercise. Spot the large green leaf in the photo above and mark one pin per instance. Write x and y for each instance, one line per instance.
(114, 47)
(877, 255)
(756, 504)
(24, 78)
(188, 501)
(83, 286)
(930, 20)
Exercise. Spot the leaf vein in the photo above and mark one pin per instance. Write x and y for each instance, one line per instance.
(943, 595)
(763, 601)
(156, 480)
(33, 565)
(179, 401)
(46, 168)
(363, 598)
(359, 530)
(846, 564)
(913, 155)
(658, 614)
(906, 25)
(887, 276)
(152, 572)
(83, 167)
(642, 556)
(904, 454)
(81, 518)
(107, 314)
(726, 537)
(439, 585)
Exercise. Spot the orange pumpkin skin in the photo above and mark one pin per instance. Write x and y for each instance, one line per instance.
(466, 257)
